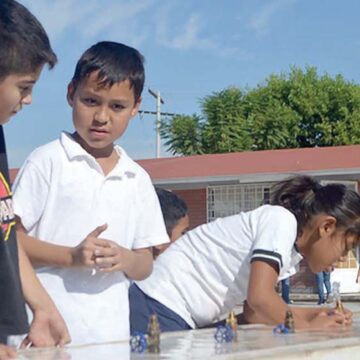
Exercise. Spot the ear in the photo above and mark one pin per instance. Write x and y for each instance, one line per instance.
(70, 94)
(327, 225)
(136, 107)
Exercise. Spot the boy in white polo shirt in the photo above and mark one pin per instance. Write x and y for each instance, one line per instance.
(87, 214)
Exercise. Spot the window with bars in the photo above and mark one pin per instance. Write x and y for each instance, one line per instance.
(353, 185)
(225, 200)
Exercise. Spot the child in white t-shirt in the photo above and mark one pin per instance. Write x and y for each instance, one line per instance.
(210, 269)
(88, 215)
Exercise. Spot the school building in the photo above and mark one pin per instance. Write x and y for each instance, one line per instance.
(219, 185)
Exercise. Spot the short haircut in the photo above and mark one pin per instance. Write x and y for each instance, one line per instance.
(24, 45)
(173, 208)
(115, 63)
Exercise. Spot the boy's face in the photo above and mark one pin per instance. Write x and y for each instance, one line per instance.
(16, 91)
(101, 114)
(181, 227)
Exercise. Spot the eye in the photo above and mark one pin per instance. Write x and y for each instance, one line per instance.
(118, 107)
(25, 90)
(89, 101)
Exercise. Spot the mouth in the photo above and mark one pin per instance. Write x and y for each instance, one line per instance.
(99, 132)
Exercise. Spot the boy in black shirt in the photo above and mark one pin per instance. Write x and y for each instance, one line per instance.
(24, 50)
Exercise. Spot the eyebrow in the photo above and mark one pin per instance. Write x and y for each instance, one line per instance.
(95, 94)
(27, 81)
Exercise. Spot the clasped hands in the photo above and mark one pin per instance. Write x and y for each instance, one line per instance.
(102, 254)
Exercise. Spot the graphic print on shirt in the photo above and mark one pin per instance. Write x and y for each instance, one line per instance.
(7, 217)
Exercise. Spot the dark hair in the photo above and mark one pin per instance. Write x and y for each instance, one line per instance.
(24, 45)
(115, 63)
(173, 208)
(305, 197)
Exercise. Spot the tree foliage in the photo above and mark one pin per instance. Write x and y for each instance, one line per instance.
(298, 109)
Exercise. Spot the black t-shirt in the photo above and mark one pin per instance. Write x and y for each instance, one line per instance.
(13, 319)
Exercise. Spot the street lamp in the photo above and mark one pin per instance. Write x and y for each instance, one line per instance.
(159, 101)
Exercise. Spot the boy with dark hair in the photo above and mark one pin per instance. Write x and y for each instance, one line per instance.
(96, 215)
(174, 211)
(24, 50)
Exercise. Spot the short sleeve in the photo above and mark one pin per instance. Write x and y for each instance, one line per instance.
(150, 229)
(275, 231)
(30, 194)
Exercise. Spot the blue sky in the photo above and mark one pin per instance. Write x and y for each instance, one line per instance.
(192, 49)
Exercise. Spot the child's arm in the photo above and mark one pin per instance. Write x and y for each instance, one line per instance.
(266, 306)
(106, 255)
(48, 327)
(44, 253)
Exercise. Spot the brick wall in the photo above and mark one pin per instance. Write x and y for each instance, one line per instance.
(196, 202)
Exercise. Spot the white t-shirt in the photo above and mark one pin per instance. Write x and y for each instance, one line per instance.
(205, 273)
(61, 195)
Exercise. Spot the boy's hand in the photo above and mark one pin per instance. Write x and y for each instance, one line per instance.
(111, 257)
(7, 352)
(84, 253)
(47, 329)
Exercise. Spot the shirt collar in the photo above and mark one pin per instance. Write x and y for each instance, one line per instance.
(124, 167)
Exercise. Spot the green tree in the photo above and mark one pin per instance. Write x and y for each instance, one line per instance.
(225, 128)
(182, 134)
(298, 109)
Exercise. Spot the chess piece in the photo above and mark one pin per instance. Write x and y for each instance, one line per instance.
(289, 322)
(153, 340)
(231, 321)
(336, 291)
(138, 342)
(223, 334)
(339, 306)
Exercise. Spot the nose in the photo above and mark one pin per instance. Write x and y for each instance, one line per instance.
(101, 115)
(27, 100)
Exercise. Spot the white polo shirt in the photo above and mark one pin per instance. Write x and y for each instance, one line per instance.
(205, 273)
(61, 195)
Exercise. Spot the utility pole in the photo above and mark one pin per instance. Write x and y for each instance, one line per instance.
(159, 101)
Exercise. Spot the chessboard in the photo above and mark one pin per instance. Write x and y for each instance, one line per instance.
(253, 342)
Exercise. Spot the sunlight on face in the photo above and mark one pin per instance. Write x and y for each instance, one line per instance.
(101, 114)
(16, 91)
(330, 251)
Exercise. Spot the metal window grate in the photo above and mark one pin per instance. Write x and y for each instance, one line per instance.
(225, 200)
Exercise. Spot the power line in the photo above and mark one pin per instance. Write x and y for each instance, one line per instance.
(155, 113)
